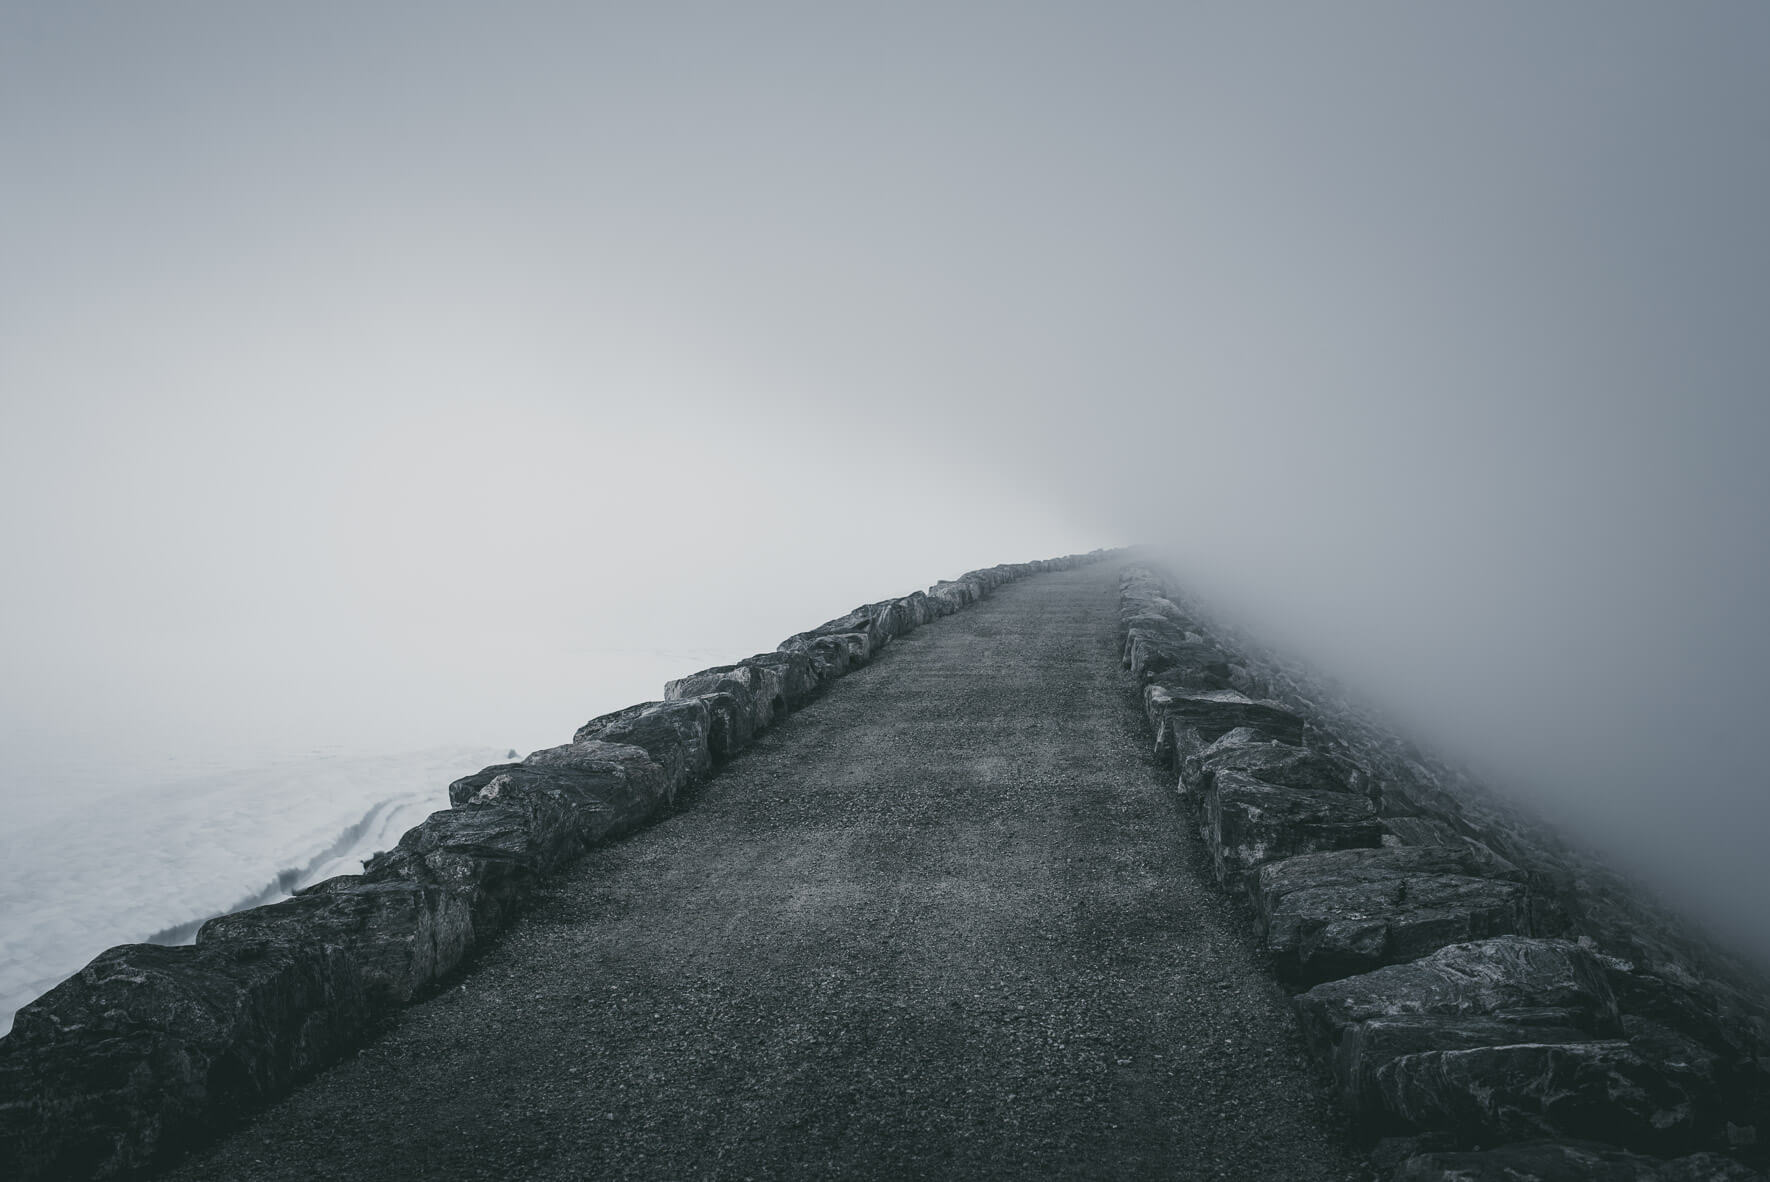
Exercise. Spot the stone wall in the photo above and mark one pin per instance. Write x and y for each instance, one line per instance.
(149, 1049)
(1490, 1002)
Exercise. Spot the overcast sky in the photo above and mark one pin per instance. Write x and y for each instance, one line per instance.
(397, 374)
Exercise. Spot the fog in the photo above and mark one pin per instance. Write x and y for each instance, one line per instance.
(377, 376)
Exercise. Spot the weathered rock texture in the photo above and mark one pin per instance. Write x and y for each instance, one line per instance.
(1569, 1161)
(149, 1049)
(1491, 1003)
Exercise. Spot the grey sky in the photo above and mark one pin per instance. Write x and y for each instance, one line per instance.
(382, 371)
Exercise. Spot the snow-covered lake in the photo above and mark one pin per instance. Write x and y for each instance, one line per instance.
(86, 865)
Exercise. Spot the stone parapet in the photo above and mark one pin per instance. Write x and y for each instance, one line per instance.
(1490, 1002)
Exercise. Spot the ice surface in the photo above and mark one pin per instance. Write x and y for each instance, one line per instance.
(94, 868)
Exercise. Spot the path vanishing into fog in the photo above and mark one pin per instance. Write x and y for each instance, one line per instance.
(944, 922)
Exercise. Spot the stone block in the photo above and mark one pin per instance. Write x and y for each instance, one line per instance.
(1246, 823)
(1187, 722)
(1648, 1098)
(1569, 1161)
(403, 936)
(1333, 914)
(123, 1064)
(1509, 989)
(1284, 764)
(676, 735)
(757, 688)
(790, 676)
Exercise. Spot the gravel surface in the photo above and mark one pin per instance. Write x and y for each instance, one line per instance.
(944, 922)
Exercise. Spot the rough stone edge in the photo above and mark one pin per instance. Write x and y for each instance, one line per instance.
(1613, 921)
(149, 1050)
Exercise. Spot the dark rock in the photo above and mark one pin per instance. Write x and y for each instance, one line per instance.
(677, 736)
(149, 1047)
(1653, 1099)
(1661, 1024)
(1328, 915)
(1282, 764)
(949, 596)
(758, 689)
(1378, 1042)
(895, 617)
(467, 787)
(915, 610)
(1569, 1161)
(605, 788)
(831, 657)
(1416, 830)
(590, 773)
(1159, 639)
(402, 935)
(989, 578)
(1506, 989)
(1669, 997)
(525, 821)
(1155, 609)
(732, 719)
(1514, 1039)
(489, 853)
(1159, 647)
(1246, 823)
(1388, 1154)
(797, 681)
(1141, 595)
(1245, 681)
(874, 621)
(1241, 736)
(1504, 975)
(1187, 723)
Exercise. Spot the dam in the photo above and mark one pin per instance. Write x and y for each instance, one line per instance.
(1035, 874)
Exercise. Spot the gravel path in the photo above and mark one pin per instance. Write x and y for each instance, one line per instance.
(943, 922)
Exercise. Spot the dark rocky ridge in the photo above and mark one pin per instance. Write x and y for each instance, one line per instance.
(1492, 1003)
(150, 1049)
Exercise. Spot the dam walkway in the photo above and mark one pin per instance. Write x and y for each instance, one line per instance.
(944, 922)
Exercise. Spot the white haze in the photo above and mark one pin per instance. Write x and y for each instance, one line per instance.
(382, 377)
